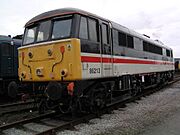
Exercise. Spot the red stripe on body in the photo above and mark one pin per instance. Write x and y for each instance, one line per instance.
(90, 59)
(120, 60)
(131, 61)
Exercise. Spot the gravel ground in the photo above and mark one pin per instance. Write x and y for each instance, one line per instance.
(136, 117)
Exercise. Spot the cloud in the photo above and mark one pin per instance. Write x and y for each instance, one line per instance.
(159, 19)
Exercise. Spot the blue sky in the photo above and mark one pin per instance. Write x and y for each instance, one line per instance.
(160, 19)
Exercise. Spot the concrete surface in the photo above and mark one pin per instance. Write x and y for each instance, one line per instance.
(170, 126)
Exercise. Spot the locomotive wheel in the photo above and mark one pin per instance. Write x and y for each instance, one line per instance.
(98, 99)
(12, 89)
(98, 103)
(136, 90)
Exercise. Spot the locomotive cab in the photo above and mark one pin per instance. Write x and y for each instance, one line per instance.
(54, 55)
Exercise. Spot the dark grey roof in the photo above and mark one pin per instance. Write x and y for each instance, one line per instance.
(59, 12)
(64, 11)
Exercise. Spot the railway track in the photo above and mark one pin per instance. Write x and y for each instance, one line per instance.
(54, 122)
(16, 104)
(17, 110)
(18, 107)
(24, 121)
(176, 78)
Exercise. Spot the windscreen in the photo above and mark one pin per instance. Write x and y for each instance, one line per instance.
(29, 36)
(56, 28)
(61, 28)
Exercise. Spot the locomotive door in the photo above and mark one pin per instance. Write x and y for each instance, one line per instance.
(106, 53)
(7, 59)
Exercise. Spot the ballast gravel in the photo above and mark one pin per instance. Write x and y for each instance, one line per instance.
(136, 117)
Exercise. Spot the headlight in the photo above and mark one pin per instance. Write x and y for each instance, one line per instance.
(64, 72)
(30, 54)
(49, 52)
(39, 71)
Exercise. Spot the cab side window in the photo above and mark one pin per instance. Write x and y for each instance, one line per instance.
(92, 30)
(88, 29)
(89, 35)
(83, 28)
(105, 40)
(105, 34)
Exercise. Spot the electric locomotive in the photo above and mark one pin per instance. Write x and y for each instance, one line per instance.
(9, 65)
(83, 62)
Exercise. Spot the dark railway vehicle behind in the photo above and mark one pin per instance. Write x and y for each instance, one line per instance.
(177, 64)
(85, 62)
(9, 65)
